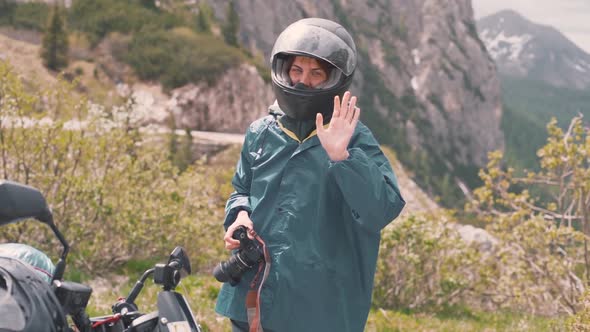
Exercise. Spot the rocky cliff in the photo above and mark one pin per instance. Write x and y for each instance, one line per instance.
(239, 97)
(426, 84)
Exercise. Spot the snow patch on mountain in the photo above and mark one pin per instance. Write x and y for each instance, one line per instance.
(505, 46)
(525, 49)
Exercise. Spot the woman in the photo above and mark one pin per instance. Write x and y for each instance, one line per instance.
(316, 188)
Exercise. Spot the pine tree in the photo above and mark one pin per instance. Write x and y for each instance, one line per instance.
(54, 49)
(232, 23)
(203, 20)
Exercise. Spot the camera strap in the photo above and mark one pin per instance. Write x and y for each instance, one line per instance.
(253, 296)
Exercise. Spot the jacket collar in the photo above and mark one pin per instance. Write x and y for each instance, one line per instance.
(299, 130)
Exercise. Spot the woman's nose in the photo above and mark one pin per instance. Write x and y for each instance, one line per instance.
(305, 79)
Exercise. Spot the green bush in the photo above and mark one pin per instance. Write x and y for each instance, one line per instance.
(114, 196)
(424, 264)
(526, 266)
(542, 263)
(180, 56)
(6, 11)
(581, 321)
(98, 18)
(31, 15)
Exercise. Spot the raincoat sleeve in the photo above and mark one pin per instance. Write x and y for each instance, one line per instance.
(368, 183)
(239, 199)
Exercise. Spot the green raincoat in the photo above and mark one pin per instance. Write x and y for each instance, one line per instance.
(321, 222)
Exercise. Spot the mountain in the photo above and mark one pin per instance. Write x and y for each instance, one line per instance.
(425, 82)
(524, 49)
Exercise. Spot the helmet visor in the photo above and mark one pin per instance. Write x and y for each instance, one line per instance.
(280, 73)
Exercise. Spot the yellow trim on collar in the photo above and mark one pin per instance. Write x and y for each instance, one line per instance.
(288, 132)
(293, 136)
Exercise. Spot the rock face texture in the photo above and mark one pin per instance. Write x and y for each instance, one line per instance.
(239, 97)
(425, 82)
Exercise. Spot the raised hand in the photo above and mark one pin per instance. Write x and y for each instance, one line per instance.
(336, 137)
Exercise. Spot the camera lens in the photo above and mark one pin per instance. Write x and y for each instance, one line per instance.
(231, 271)
(249, 254)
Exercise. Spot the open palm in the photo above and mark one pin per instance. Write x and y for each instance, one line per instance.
(336, 137)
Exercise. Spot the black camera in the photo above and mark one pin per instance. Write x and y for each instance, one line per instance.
(249, 254)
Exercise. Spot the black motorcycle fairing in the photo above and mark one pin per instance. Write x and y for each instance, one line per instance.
(174, 307)
(145, 323)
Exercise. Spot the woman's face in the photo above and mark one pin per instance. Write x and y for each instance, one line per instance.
(308, 71)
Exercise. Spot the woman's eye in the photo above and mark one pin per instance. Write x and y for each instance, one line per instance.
(317, 74)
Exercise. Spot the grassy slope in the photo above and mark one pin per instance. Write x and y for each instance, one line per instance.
(202, 290)
(382, 321)
(25, 59)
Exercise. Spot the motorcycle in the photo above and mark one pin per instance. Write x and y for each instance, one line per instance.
(29, 303)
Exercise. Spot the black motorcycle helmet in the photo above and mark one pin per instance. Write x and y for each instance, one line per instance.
(321, 39)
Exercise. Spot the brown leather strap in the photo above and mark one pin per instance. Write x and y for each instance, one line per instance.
(253, 297)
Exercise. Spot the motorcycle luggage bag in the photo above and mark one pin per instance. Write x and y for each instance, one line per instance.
(31, 255)
(27, 302)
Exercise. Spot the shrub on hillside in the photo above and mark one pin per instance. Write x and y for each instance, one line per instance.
(581, 321)
(31, 15)
(548, 238)
(424, 264)
(180, 56)
(98, 18)
(526, 266)
(115, 195)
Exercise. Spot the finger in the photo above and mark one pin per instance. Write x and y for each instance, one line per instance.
(319, 123)
(231, 246)
(344, 105)
(228, 234)
(336, 112)
(250, 232)
(357, 114)
(351, 109)
(229, 239)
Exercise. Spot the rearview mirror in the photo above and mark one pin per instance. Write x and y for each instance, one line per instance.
(179, 255)
(18, 201)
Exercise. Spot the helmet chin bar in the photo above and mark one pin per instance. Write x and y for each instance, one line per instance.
(304, 104)
(302, 86)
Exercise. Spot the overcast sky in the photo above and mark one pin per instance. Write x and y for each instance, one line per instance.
(571, 17)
